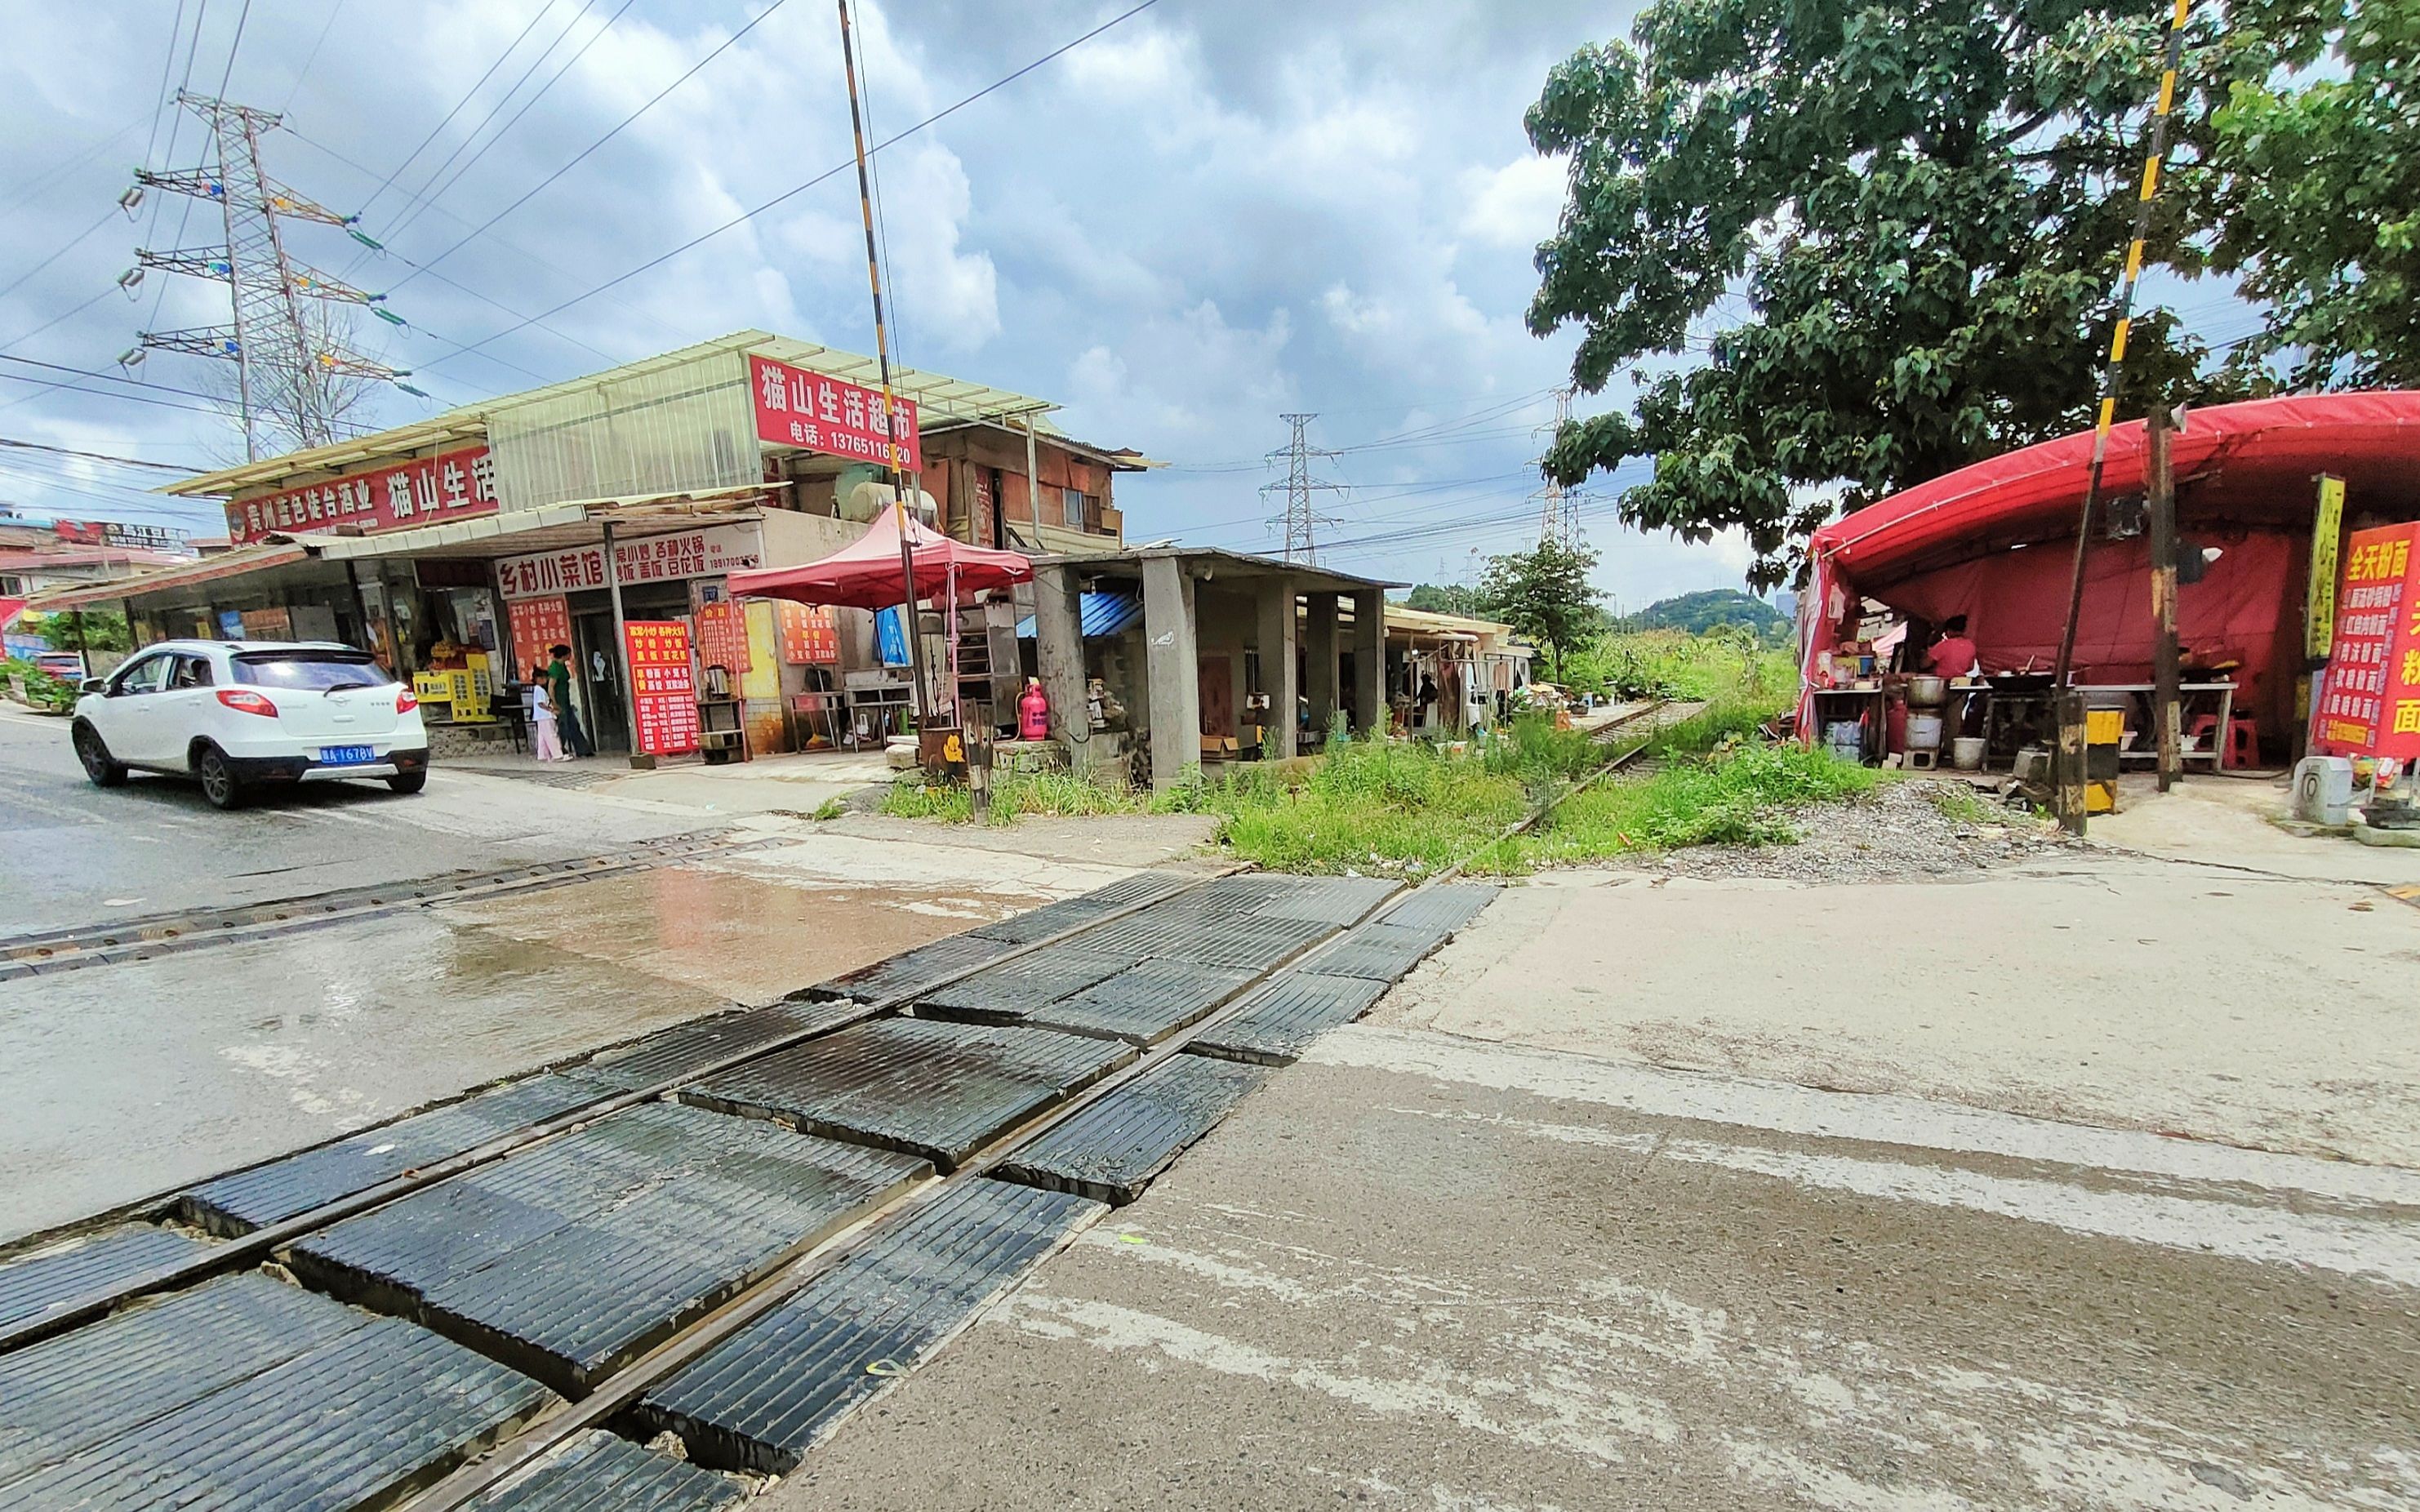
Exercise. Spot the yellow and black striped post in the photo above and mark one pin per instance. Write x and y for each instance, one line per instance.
(912, 621)
(2114, 375)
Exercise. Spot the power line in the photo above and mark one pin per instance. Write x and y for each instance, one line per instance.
(798, 188)
(582, 154)
(468, 95)
(107, 377)
(66, 247)
(134, 398)
(303, 72)
(235, 44)
(91, 456)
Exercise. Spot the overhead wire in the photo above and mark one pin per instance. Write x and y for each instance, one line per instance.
(798, 188)
(12, 444)
(582, 154)
(468, 95)
(303, 72)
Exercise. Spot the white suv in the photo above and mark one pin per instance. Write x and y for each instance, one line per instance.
(243, 713)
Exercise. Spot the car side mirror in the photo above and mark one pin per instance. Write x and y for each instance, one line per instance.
(93, 684)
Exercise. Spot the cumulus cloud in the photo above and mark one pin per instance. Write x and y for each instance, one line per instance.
(1204, 217)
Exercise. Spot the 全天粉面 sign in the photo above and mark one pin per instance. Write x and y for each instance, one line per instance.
(2369, 703)
(425, 490)
(703, 552)
(663, 690)
(795, 407)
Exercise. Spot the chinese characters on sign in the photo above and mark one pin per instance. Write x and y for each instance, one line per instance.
(427, 490)
(538, 623)
(795, 407)
(2370, 702)
(808, 633)
(723, 638)
(708, 551)
(663, 692)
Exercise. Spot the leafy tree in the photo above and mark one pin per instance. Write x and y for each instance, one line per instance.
(1543, 593)
(1445, 599)
(79, 629)
(2319, 205)
(1901, 222)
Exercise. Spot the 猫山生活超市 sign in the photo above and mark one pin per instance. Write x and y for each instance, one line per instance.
(706, 551)
(2369, 701)
(795, 407)
(424, 490)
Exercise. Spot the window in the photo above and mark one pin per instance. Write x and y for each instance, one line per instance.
(192, 671)
(315, 671)
(148, 675)
(1080, 510)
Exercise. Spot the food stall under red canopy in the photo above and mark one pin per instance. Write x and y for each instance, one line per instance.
(867, 574)
(1993, 541)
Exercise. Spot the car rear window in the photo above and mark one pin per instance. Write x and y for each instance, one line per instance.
(310, 668)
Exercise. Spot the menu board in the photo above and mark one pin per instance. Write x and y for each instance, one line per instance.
(722, 637)
(538, 623)
(2369, 704)
(808, 633)
(663, 688)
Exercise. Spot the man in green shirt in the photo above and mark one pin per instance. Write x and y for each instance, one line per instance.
(558, 679)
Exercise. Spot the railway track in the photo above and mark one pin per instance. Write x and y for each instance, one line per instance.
(1092, 1040)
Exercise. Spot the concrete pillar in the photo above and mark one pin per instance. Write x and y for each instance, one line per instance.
(1278, 645)
(1058, 657)
(1172, 672)
(1320, 674)
(1369, 661)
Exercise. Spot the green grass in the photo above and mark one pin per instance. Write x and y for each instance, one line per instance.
(1013, 795)
(1963, 805)
(1735, 796)
(1720, 664)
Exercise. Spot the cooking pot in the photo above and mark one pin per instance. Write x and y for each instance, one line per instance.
(1924, 690)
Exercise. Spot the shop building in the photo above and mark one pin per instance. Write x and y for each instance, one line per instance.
(462, 547)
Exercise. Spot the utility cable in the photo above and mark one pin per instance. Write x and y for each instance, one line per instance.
(798, 188)
(468, 95)
(582, 155)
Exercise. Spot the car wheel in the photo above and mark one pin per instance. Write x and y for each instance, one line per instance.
(219, 781)
(98, 766)
(408, 782)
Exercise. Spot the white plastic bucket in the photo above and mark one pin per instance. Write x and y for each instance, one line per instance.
(1966, 753)
(1924, 731)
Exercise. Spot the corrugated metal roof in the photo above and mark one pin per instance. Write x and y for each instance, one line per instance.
(1103, 614)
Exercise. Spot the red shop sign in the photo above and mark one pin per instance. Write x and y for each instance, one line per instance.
(425, 490)
(795, 407)
(2369, 698)
(663, 690)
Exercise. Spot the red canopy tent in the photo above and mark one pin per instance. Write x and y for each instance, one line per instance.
(869, 573)
(1982, 541)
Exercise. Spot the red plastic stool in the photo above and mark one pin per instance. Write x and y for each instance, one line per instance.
(2243, 739)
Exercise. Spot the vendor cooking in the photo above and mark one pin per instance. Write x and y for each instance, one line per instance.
(1953, 655)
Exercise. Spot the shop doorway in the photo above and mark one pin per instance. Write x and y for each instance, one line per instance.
(598, 686)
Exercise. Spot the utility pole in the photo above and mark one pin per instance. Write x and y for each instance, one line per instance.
(1298, 487)
(1558, 508)
(2160, 497)
(283, 366)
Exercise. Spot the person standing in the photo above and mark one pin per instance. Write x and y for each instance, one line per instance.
(544, 744)
(1953, 655)
(558, 680)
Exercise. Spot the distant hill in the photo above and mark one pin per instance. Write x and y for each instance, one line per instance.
(1701, 611)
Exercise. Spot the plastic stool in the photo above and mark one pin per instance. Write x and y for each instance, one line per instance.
(2243, 746)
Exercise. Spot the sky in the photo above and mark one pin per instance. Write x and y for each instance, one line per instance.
(1207, 215)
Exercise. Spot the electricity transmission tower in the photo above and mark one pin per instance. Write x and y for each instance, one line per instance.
(1299, 485)
(1558, 508)
(289, 366)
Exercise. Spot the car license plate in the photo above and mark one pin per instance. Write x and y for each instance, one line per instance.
(347, 755)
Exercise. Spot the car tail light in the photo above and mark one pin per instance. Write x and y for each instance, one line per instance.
(244, 700)
(406, 700)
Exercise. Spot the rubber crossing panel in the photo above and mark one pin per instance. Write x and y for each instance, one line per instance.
(685, 1048)
(934, 1089)
(246, 1392)
(1382, 952)
(238, 1203)
(768, 1394)
(1448, 906)
(1072, 913)
(1008, 991)
(569, 1258)
(1278, 1022)
(58, 1276)
(1337, 900)
(1111, 1150)
(597, 1470)
(1143, 1004)
(1252, 942)
(910, 971)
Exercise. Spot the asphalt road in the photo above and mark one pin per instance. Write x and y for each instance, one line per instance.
(77, 853)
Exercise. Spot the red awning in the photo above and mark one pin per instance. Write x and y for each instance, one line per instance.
(866, 575)
(2239, 463)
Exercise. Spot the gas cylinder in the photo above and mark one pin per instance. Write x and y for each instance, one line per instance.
(1034, 712)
